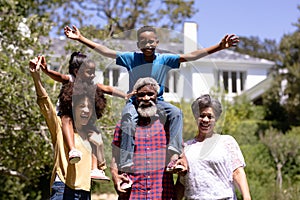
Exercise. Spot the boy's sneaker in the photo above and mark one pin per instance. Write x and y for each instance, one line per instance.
(74, 156)
(99, 175)
(126, 185)
(172, 168)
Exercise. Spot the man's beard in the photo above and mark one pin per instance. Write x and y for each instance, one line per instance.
(147, 110)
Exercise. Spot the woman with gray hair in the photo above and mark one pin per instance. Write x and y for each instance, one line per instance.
(216, 163)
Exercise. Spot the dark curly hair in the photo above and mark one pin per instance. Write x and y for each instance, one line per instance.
(71, 93)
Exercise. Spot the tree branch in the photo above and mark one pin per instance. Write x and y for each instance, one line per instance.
(10, 172)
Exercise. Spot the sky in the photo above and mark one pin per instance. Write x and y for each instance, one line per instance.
(266, 19)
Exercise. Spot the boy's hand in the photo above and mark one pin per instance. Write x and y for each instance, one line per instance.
(229, 41)
(72, 34)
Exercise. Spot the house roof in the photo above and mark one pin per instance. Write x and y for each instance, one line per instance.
(232, 55)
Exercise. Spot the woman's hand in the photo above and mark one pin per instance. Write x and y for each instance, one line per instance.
(34, 66)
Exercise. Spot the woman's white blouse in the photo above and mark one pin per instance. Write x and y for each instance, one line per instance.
(211, 165)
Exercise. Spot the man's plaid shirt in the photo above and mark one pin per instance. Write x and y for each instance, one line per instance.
(150, 181)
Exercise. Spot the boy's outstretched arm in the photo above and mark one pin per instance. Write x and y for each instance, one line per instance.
(76, 35)
(111, 91)
(51, 73)
(226, 42)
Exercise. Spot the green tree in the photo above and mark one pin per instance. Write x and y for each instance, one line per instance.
(25, 150)
(283, 148)
(290, 48)
(255, 47)
(259, 170)
(243, 120)
(120, 15)
(283, 99)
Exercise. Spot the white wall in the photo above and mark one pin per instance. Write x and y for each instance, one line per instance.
(254, 76)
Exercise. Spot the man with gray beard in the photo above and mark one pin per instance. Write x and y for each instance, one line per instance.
(147, 178)
(146, 98)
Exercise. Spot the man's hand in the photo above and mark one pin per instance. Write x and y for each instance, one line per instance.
(229, 41)
(118, 180)
(72, 34)
(182, 161)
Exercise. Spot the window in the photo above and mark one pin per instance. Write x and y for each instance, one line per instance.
(171, 82)
(232, 81)
(111, 77)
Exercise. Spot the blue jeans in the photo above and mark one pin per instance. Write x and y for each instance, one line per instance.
(128, 126)
(62, 192)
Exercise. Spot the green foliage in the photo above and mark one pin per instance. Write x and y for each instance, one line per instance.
(282, 105)
(190, 129)
(290, 48)
(243, 120)
(284, 149)
(292, 171)
(283, 99)
(23, 137)
(25, 150)
(255, 47)
(275, 112)
(259, 170)
(119, 16)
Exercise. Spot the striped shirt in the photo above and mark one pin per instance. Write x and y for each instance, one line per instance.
(150, 180)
